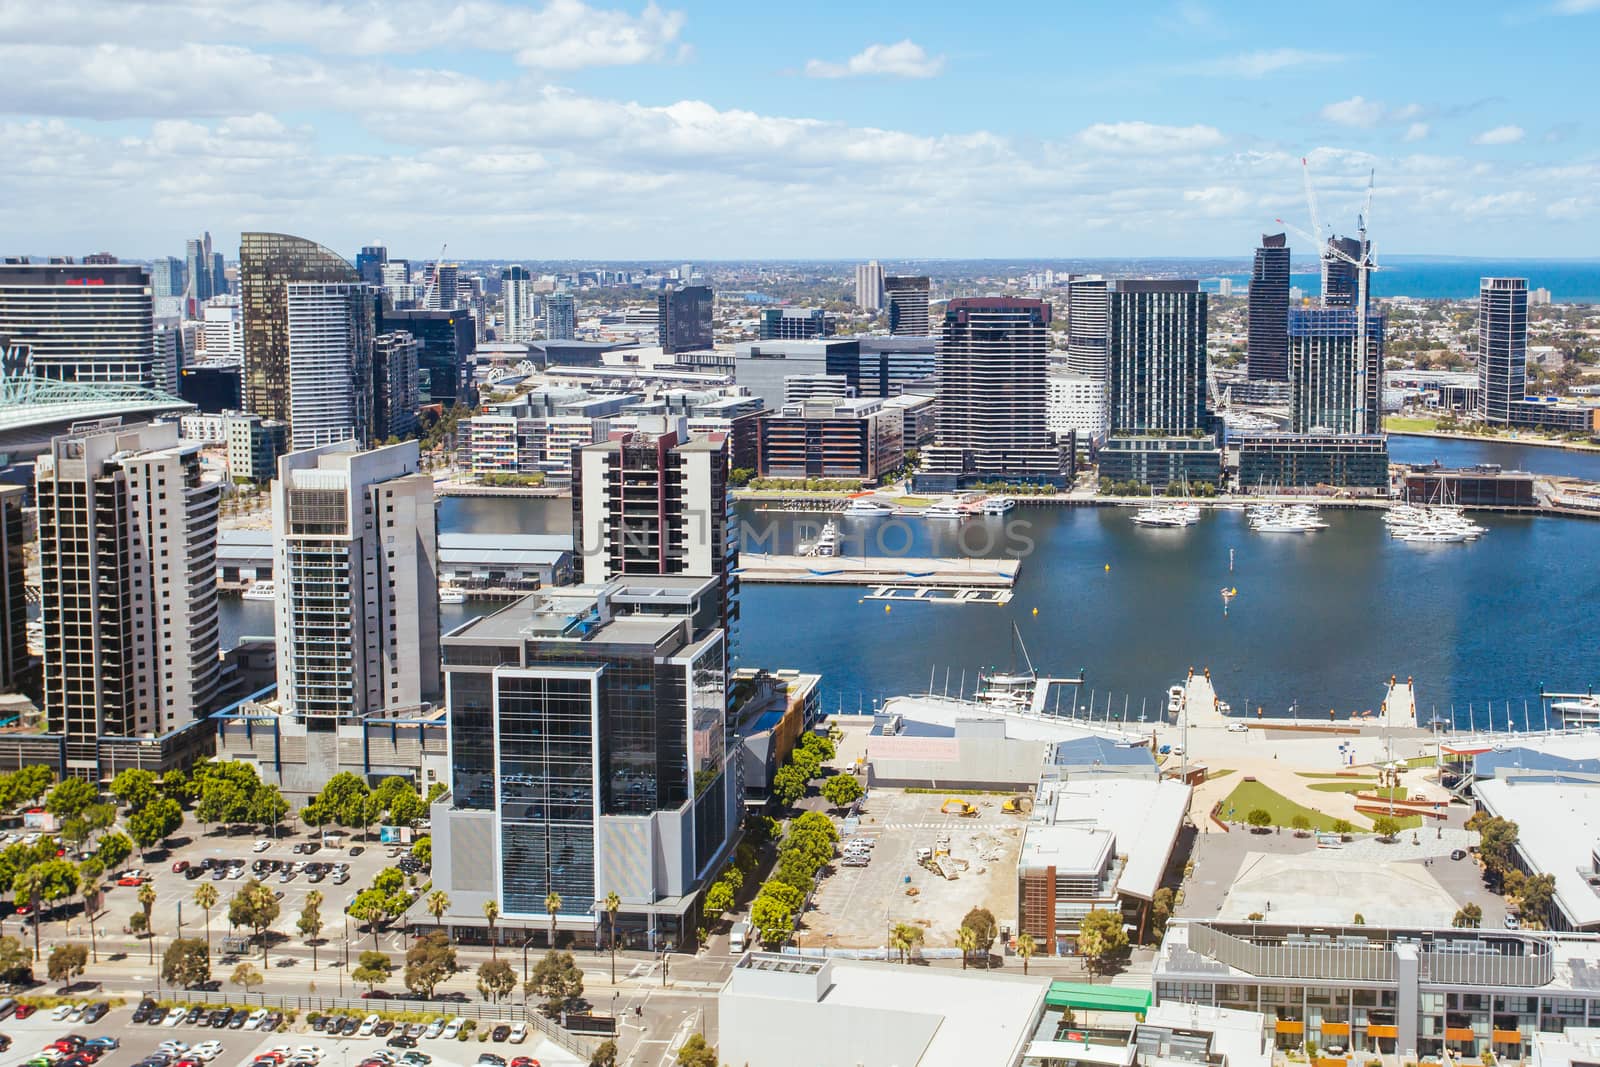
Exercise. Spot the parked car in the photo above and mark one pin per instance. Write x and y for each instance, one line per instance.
(452, 1028)
(416, 1059)
(96, 1012)
(519, 1033)
(434, 1029)
(383, 1029)
(180, 866)
(261, 845)
(500, 1033)
(489, 1059)
(207, 1050)
(135, 877)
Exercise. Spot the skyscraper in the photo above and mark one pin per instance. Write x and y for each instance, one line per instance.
(907, 298)
(1087, 311)
(223, 329)
(992, 363)
(355, 571)
(78, 323)
(1156, 347)
(683, 319)
(330, 363)
(268, 264)
(446, 341)
(1341, 284)
(15, 664)
(370, 262)
(650, 503)
(793, 324)
(1267, 351)
(1330, 391)
(869, 286)
(128, 583)
(560, 317)
(166, 277)
(197, 267)
(516, 301)
(219, 272)
(1502, 347)
(394, 386)
(167, 356)
(446, 291)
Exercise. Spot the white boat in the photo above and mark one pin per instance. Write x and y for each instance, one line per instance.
(826, 544)
(946, 509)
(1573, 714)
(263, 590)
(861, 508)
(1167, 516)
(1175, 696)
(998, 505)
(1285, 518)
(448, 595)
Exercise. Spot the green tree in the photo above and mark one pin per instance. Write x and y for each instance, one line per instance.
(422, 850)
(1301, 825)
(178, 786)
(984, 929)
(1534, 899)
(1343, 827)
(147, 904)
(45, 882)
(557, 980)
(67, 961)
(186, 963)
(1101, 936)
(1468, 916)
(113, 851)
(613, 905)
(967, 942)
(1026, 947)
(205, 895)
(719, 898)
(905, 939)
(696, 1053)
(134, 788)
(16, 962)
(438, 905)
(496, 980)
(429, 961)
(772, 918)
(491, 912)
(1259, 818)
(789, 784)
(245, 976)
(32, 782)
(372, 970)
(89, 891)
(343, 801)
(155, 822)
(842, 790)
(71, 797)
(373, 907)
(310, 922)
(605, 1055)
(254, 906)
(1161, 908)
(552, 905)
(1385, 827)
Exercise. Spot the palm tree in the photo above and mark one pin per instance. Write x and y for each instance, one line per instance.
(312, 929)
(438, 904)
(90, 890)
(903, 938)
(552, 904)
(613, 905)
(147, 901)
(1026, 947)
(491, 912)
(967, 942)
(206, 896)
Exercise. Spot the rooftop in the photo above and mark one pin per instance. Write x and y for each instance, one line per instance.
(1331, 888)
(1143, 816)
(1558, 824)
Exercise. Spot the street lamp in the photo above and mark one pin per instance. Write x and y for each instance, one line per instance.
(526, 942)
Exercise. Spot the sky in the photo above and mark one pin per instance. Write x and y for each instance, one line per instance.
(563, 129)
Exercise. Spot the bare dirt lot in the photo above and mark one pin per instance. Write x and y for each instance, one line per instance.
(855, 906)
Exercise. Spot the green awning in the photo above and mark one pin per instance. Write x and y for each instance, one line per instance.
(1097, 997)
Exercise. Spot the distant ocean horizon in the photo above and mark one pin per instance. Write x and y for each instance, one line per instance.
(1570, 281)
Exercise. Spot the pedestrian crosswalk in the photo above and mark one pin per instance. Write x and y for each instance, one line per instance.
(926, 825)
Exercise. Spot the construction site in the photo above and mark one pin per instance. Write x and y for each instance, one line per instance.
(935, 856)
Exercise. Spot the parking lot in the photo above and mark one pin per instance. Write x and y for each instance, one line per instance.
(855, 906)
(241, 1047)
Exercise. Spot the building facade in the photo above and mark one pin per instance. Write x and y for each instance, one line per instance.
(683, 318)
(831, 438)
(560, 317)
(330, 363)
(516, 303)
(447, 341)
(16, 666)
(355, 574)
(394, 386)
(1156, 349)
(907, 300)
(1088, 325)
(92, 324)
(1502, 347)
(1267, 347)
(1332, 389)
(1076, 404)
(793, 324)
(1341, 282)
(1274, 462)
(869, 286)
(254, 445)
(128, 586)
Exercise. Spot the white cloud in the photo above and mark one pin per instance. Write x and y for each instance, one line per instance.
(1576, 7)
(1219, 201)
(1417, 131)
(1261, 63)
(1500, 135)
(1356, 111)
(903, 59)
(1148, 137)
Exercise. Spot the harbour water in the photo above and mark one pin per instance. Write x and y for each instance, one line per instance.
(1571, 281)
(1321, 620)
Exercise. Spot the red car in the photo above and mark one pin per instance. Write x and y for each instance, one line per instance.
(25, 1010)
(133, 878)
(524, 1061)
(180, 866)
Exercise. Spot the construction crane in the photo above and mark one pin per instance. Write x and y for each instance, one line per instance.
(433, 280)
(1364, 265)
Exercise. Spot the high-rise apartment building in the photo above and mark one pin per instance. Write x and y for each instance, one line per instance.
(683, 319)
(992, 362)
(1087, 312)
(1502, 347)
(869, 286)
(652, 503)
(446, 340)
(330, 363)
(128, 584)
(219, 272)
(197, 261)
(394, 386)
(1330, 390)
(907, 300)
(166, 277)
(167, 355)
(16, 667)
(370, 262)
(1341, 282)
(355, 569)
(1267, 347)
(268, 264)
(92, 324)
(516, 303)
(222, 329)
(793, 324)
(560, 317)
(254, 445)
(445, 291)
(1156, 347)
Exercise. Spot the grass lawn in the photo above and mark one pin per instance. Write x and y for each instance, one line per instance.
(1388, 792)
(1214, 775)
(914, 501)
(1401, 424)
(1340, 777)
(1247, 796)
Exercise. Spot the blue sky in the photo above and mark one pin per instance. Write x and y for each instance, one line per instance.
(564, 129)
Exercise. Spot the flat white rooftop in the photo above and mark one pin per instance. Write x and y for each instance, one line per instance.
(1143, 816)
(1329, 888)
(1558, 825)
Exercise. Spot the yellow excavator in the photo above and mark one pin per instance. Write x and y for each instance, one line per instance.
(1017, 805)
(959, 807)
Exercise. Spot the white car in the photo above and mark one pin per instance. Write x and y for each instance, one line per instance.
(61, 1012)
(1238, 728)
(31, 839)
(255, 1020)
(76, 1014)
(207, 1050)
(310, 1052)
(368, 1024)
(519, 1033)
(452, 1028)
(261, 846)
(174, 1017)
(235, 873)
(173, 1048)
(434, 1029)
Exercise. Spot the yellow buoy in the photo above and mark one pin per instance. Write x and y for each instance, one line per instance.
(1036, 611)
(887, 608)
(1108, 566)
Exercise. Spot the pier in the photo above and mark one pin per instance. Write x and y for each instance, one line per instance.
(939, 594)
(881, 572)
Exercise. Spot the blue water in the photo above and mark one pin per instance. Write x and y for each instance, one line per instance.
(1573, 281)
(1535, 459)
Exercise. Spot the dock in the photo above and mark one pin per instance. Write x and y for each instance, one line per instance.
(940, 594)
(880, 572)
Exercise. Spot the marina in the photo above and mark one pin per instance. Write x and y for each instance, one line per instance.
(927, 572)
(934, 594)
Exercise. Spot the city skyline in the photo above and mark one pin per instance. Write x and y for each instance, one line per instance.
(571, 130)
